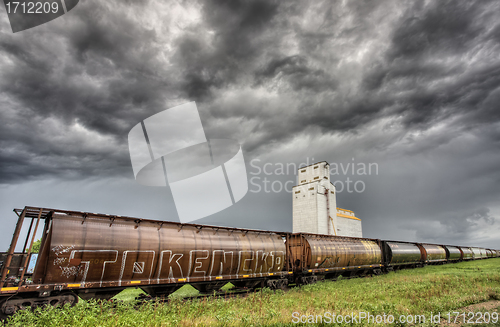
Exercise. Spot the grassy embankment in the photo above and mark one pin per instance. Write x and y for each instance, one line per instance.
(411, 292)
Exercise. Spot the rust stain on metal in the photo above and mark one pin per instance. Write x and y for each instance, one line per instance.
(403, 253)
(319, 252)
(434, 253)
(152, 255)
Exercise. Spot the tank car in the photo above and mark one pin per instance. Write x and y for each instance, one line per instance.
(468, 253)
(91, 255)
(433, 254)
(398, 255)
(453, 253)
(325, 256)
(96, 256)
(479, 253)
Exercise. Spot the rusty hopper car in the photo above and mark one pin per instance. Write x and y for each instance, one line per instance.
(453, 253)
(479, 253)
(331, 256)
(92, 255)
(434, 254)
(468, 254)
(402, 255)
(97, 256)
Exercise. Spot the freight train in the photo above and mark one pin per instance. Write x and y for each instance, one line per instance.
(91, 255)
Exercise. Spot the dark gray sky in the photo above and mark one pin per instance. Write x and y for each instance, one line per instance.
(412, 87)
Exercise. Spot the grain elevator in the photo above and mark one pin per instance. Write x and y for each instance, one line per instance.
(315, 205)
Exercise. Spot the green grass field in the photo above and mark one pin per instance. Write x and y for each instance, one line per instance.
(433, 289)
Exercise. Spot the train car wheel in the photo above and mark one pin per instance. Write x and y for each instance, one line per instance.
(65, 298)
(3, 315)
(11, 306)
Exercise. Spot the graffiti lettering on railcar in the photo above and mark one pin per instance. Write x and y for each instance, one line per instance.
(59, 261)
(222, 263)
(97, 265)
(170, 265)
(268, 261)
(134, 259)
(60, 249)
(198, 263)
(261, 263)
(244, 262)
(69, 271)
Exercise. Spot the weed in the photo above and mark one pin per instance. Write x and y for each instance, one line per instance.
(408, 292)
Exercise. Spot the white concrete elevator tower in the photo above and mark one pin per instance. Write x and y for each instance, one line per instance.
(315, 205)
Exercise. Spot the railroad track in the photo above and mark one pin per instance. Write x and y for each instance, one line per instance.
(225, 295)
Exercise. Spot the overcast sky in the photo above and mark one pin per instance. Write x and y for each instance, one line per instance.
(411, 87)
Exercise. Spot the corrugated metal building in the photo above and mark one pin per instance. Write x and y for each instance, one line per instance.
(348, 224)
(315, 205)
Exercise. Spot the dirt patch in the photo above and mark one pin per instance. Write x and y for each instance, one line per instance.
(490, 306)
